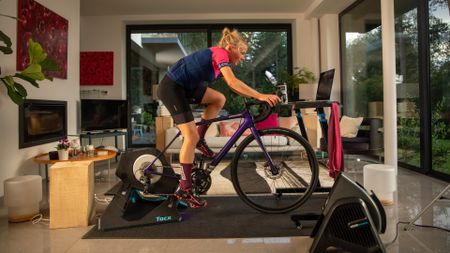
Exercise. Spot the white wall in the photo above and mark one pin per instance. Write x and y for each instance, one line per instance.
(330, 51)
(15, 161)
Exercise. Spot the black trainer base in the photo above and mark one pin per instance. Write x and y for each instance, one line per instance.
(351, 220)
(129, 209)
(348, 226)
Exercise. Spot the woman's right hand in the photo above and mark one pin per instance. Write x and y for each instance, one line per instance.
(271, 99)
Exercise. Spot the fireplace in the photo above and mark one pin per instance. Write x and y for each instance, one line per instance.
(41, 121)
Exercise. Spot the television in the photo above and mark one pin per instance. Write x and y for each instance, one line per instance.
(103, 114)
(325, 85)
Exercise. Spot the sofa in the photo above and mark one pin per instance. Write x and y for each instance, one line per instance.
(219, 133)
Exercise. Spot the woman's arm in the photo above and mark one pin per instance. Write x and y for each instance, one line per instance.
(241, 88)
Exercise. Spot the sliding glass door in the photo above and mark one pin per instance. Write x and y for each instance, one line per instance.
(408, 90)
(422, 30)
(439, 46)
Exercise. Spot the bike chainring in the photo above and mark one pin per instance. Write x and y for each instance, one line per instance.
(201, 180)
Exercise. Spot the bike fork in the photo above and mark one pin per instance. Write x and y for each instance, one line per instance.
(269, 160)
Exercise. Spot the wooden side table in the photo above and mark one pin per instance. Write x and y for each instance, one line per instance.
(71, 199)
(99, 155)
(313, 129)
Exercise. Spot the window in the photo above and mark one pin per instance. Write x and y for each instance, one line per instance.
(407, 67)
(439, 46)
(152, 49)
(422, 31)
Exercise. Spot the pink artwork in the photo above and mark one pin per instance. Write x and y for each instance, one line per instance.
(47, 28)
(96, 68)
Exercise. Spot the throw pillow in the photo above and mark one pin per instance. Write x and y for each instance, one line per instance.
(271, 121)
(288, 122)
(228, 128)
(350, 126)
(212, 131)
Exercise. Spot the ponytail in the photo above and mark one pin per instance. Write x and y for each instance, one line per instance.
(233, 38)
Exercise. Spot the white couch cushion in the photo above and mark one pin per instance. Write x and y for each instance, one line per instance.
(350, 126)
(213, 130)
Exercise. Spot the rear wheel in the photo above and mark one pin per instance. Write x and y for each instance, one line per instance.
(133, 164)
(289, 186)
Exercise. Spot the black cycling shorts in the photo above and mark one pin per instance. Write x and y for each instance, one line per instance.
(177, 99)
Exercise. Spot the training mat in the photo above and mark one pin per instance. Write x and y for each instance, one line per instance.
(224, 217)
(114, 190)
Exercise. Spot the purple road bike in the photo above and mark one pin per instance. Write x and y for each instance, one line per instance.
(273, 170)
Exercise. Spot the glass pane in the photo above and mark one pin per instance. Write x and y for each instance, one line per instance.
(439, 35)
(362, 63)
(151, 55)
(268, 50)
(362, 69)
(408, 107)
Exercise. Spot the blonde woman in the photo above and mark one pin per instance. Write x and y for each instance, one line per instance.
(183, 84)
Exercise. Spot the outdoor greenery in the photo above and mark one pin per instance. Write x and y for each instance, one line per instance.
(267, 51)
(363, 78)
(300, 76)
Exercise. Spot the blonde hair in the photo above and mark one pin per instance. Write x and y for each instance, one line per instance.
(233, 38)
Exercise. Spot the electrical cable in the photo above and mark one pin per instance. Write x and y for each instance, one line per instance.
(388, 244)
(38, 218)
(104, 201)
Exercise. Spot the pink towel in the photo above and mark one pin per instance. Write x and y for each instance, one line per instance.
(335, 153)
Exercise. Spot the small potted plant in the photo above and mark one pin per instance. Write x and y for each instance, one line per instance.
(293, 82)
(63, 149)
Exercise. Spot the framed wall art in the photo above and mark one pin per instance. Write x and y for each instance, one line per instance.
(96, 68)
(47, 28)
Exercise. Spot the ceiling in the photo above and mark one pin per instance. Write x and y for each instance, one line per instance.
(137, 7)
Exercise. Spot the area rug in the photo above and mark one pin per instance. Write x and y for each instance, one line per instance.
(224, 217)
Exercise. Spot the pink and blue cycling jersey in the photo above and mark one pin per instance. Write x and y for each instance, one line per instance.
(199, 67)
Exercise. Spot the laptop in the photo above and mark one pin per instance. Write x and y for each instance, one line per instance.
(325, 85)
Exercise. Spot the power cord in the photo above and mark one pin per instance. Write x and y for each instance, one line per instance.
(388, 244)
(104, 201)
(38, 218)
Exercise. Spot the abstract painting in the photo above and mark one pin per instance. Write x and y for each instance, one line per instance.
(45, 27)
(96, 68)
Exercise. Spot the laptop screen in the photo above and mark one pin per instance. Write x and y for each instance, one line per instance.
(325, 84)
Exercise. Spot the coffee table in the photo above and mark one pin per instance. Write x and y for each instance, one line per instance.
(99, 155)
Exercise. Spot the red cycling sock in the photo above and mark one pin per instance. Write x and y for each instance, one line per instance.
(185, 180)
(201, 129)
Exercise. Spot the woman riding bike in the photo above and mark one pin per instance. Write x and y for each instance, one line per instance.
(183, 84)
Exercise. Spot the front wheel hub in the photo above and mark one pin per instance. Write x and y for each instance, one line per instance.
(268, 172)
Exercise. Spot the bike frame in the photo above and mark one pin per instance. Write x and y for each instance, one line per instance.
(248, 123)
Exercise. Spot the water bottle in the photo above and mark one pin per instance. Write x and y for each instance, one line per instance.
(281, 87)
(282, 92)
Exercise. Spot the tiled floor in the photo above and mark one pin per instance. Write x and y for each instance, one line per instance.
(415, 191)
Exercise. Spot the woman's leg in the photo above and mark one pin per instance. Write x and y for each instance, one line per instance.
(190, 140)
(214, 101)
(176, 101)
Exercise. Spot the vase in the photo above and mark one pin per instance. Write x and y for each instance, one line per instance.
(63, 154)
